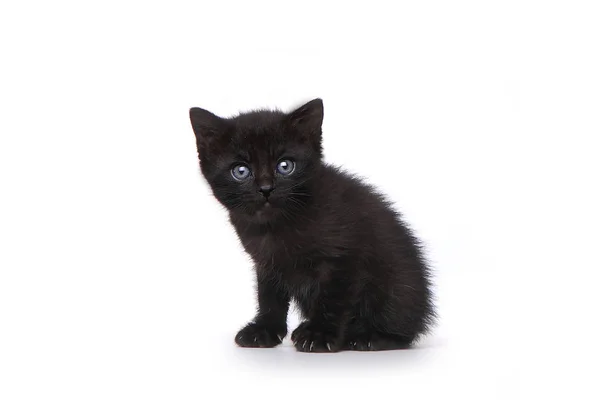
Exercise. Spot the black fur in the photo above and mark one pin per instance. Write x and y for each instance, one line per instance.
(322, 238)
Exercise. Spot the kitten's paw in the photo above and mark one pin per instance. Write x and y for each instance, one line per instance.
(313, 339)
(363, 343)
(258, 335)
(376, 342)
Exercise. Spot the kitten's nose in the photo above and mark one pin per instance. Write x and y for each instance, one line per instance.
(266, 190)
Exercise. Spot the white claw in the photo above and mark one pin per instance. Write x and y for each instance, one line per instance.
(328, 347)
(311, 346)
(304, 345)
(369, 345)
(280, 338)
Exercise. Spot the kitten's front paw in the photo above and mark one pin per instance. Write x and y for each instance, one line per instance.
(310, 338)
(259, 335)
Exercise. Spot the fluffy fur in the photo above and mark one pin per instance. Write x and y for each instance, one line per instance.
(318, 236)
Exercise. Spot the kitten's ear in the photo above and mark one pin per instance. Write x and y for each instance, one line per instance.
(308, 118)
(206, 125)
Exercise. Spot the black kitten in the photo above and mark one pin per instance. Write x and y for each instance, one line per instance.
(317, 236)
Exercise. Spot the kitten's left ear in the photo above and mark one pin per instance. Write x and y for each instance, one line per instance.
(308, 118)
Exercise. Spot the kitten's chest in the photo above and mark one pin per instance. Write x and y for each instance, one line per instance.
(292, 258)
(271, 248)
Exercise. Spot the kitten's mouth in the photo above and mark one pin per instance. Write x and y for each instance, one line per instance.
(264, 210)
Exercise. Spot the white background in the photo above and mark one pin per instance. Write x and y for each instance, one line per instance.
(120, 277)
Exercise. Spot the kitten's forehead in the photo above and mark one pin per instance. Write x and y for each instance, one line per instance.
(260, 145)
(259, 118)
(260, 136)
(260, 131)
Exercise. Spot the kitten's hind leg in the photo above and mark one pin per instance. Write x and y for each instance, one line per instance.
(377, 341)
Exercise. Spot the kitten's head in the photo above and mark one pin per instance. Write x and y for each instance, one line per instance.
(260, 164)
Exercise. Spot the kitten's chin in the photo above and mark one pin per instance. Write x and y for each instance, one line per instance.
(265, 212)
(260, 214)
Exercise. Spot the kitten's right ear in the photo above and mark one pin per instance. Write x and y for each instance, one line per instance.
(205, 124)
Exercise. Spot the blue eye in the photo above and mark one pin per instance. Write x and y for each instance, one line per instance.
(240, 172)
(286, 167)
